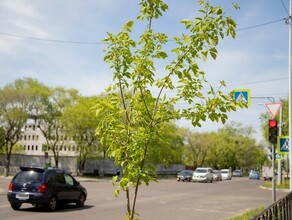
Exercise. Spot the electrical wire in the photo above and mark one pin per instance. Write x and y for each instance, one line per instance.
(285, 8)
(100, 43)
(260, 25)
(50, 40)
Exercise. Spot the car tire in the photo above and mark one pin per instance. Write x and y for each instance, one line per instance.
(81, 200)
(15, 205)
(52, 204)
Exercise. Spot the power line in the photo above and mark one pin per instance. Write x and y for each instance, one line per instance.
(285, 7)
(100, 43)
(50, 40)
(263, 24)
(258, 82)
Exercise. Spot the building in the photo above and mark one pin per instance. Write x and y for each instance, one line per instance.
(33, 142)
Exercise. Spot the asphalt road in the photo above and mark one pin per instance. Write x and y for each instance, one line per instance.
(166, 200)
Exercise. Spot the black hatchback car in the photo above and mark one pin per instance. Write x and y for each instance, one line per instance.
(44, 187)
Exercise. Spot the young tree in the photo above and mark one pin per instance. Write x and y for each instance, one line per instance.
(133, 113)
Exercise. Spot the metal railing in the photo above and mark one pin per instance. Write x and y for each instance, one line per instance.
(279, 210)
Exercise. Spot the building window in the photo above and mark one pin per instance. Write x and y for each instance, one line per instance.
(28, 147)
(37, 137)
(36, 147)
(25, 137)
(32, 147)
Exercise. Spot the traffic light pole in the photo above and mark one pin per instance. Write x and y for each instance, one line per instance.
(273, 174)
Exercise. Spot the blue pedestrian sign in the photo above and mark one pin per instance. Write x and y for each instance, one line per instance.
(283, 145)
(242, 96)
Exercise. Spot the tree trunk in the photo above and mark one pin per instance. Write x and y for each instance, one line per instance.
(7, 164)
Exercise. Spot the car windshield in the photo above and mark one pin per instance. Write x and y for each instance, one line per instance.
(28, 176)
(224, 171)
(201, 171)
(184, 172)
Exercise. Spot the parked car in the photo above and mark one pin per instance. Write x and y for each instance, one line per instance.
(184, 175)
(237, 173)
(217, 175)
(254, 175)
(44, 187)
(226, 174)
(203, 174)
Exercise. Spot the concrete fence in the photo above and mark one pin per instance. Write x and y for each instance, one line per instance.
(100, 167)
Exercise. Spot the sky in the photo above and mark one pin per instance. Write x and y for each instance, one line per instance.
(59, 43)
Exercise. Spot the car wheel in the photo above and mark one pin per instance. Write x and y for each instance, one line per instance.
(52, 204)
(81, 200)
(15, 205)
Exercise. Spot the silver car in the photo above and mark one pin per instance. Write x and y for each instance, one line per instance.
(226, 174)
(203, 174)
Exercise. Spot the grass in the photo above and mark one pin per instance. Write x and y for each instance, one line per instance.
(248, 215)
(285, 184)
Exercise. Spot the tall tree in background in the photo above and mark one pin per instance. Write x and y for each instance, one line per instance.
(133, 116)
(80, 124)
(197, 147)
(16, 106)
(49, 117)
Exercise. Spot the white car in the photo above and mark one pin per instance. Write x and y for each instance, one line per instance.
(203, 174)
(226, 174)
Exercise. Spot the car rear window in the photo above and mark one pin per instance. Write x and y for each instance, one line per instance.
(201, 170)
(28, 176)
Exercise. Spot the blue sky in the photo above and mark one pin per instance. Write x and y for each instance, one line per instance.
(257, 59)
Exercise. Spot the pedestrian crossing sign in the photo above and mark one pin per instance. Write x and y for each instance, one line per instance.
(283, 145)
(242, 96)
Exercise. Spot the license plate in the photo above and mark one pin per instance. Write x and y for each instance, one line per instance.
(22, 196)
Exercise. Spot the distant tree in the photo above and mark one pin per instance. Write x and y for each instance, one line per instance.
(140, 101)
(238, 149)
(197, 147)
(50, 108)
(229, 147)
(80, 123)
(16, 105)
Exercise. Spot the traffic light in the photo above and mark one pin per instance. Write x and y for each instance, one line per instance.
(273, 131)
